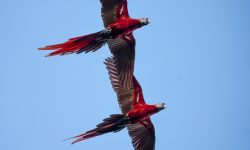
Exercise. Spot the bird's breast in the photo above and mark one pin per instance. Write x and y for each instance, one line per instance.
(123, 27)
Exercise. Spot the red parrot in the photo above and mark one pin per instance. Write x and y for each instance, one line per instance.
(117, 33)
(135, 114)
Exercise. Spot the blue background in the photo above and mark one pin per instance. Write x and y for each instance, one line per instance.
(194, 56)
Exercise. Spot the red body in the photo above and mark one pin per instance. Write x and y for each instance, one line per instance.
(141, 112)
(124, 26)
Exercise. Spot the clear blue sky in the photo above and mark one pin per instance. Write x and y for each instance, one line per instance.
(194, 56)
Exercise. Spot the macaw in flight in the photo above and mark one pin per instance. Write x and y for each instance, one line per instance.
(135, 114)
(117, 33)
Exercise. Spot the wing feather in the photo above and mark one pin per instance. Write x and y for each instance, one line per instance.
(122, 48)
(129, 96)
(123, 51)
(112, 10)
(142, 135)
(124, 95)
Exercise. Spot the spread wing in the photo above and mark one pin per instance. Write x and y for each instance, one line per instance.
(127, 97)
(122, 48)
(142, 135)
(124, 95)
(113, 10)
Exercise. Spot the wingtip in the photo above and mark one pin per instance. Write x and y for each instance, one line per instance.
(107, 60)
(78, 140)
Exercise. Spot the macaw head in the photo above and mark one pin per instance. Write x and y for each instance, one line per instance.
(160, 106)
(144, 21)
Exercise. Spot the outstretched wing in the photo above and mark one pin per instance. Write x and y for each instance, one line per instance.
(113, 10)
(122, 48)
(125, 96)
(142, 135)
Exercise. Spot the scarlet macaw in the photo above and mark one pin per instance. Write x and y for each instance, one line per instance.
(117, 33)
(135, 114)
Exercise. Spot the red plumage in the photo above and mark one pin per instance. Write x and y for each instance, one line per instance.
(136, 114)
(118, 34)
(92, 42)
(86, 43)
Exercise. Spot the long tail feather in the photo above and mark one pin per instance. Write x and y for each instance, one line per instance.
(87, 43)
(114, 123)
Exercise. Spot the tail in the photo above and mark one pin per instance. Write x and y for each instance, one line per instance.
(87, 43)
(114, 123)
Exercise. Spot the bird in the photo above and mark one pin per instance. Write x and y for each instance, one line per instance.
(118, 33)
(135, 114)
